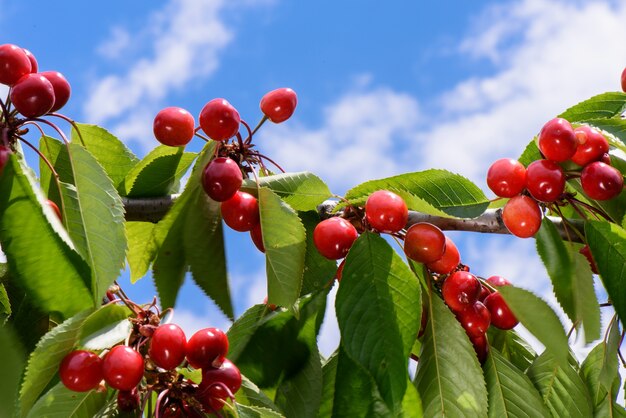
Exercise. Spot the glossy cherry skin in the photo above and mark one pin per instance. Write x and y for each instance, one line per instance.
(34, 66)
(123, 368)
(521, 216)
(5, 154)
(448, 261)
(81, 371)
(501, 315)
(545, 180)
(257, 237)
(278, 105)
(227, 374)
(241, 212)
(506, 177)
(168, 346)
(221, 179)
(207, 348)
(496, 281)
(475, 319)
(557, 140)
(601, 181)
(14, 64)
(219, 120)
(586, 251)
(333, 237)
(460, 290)
(592, 145)
(484, 292)
(386, 211)
(61, 87)
(424, 243)
(624, 80)
(128, 400)
(174, 126)
(55, 208)
(481, 346)
(33, 95)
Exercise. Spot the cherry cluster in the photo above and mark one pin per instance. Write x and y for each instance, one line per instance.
(235, 157)
(570, 153)
(149, 361)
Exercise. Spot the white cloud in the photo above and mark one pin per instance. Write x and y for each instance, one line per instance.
(116, 45)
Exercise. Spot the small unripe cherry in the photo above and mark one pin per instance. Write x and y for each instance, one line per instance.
(448, 261)
(521, 216)
(122, 368)
(32, 95)
(386, 211)
(61, 87)
(278, 105)
(207, 348)
(241, 212)
(501, 315)
(545, 180)
(219, 119)
(221, 179)
(601, 181)
(506, 177)
(167, 346)
(592, 145)
(557, 140)
(460, 290)
(81, 371)
(424, 243)
(333, 237)
(14, 64)
(475, 319)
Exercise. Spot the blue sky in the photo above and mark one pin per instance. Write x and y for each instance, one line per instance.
(383, 88)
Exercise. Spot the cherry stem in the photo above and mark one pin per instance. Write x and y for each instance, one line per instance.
(5, 113)
(571, 330)
(606, 304)
(261, 122)
(567, 225)
(71, 122)
(145, 402)
(43, 157)
(157, 407)
(258, 154)
(414, 358)
(50, 124)
(199, 135)
(5, 136)
(248, 140)
(240, 142)
(591, 208)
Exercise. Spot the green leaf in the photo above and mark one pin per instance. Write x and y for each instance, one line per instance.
(245, 411)
(602, 106)
(5, 305)
(511, 393)
(318, 270)
(250, 394)
(111, 153)
(26, 235)
(301, 395)
(12, 365)
(106, 327)
(587, 306)
(411, 403)
(562, 390)
(285, 248)
(531, 153)
(302, 190)
(44, 361)
(607, 242)
(141, 248)
(451, 193)
(158, 173)
(600, 369)
(614, 127)
(512, 347)
(242, 330)
(378, 309)
(60, 402)
(609, 409)
(538, 318)
(329, 374)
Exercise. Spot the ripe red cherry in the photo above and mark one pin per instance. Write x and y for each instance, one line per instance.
(460, 290)
(496, 281)
(81, 371)
(55, 208)
(501, 315)
(448, 261)
(221, 179)
(278, 105)
(33, 95)
(61, 87)
(521, 216)
(506, 177)
(484, 292)
(241, 212)
(624, 80)
(167, 346)
(174, 126)
(601, 181)
(424, 243)
(257, 237)
(586, 251)
(227, 374)
(128, 400)
(386, 211)
(219, 120)
(213, 397)
(557, 140)
(207, 348)
(481, 347)
(5, 154)
(122, 368)
(545, 180)
(475, 319)
(34, 66)
(592, 145)
(333, 237)
(14, 64)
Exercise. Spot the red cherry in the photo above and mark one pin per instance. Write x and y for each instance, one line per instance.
(475, 319)
(81, 371)
(122, 368)
(481, 347)
(386, 211)
(557, 140)
(128, 400)
(33, 95)
(592, 145)
(587, 253)
(213, 397)
(496, 281)
(339, 272)
(460, 290)
(501, 315)
(257, 237)
(174, 126)
(278, 105)
(227, 374)
(34, 67)
(448, 261)
(272, 307)
(424, 243)
(333, 237)
(601, 181)
(624, 80)
(14, 64)
(221, 179)
(241, 212)
(61, 86)
(484, 292)
(606, 158)
(167, 346)
(5, 154)
(219, 120)
(545, 180)
(521, 216)
(55, 208)
(506, 177)
(207, 348)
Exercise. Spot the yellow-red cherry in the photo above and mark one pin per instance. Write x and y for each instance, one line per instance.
(592, 145)
(448, 261)
(167, 346)
(601, 181)
(460, 290)
(424, 243)
(207, 348)
(174, 126)
(221, 179)
(333, 237)
(521, 216)
(557, 140)
(122, 368)
(278, 105)
(219, 119)
(506, 177)
(386, 211)
(81, 371)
